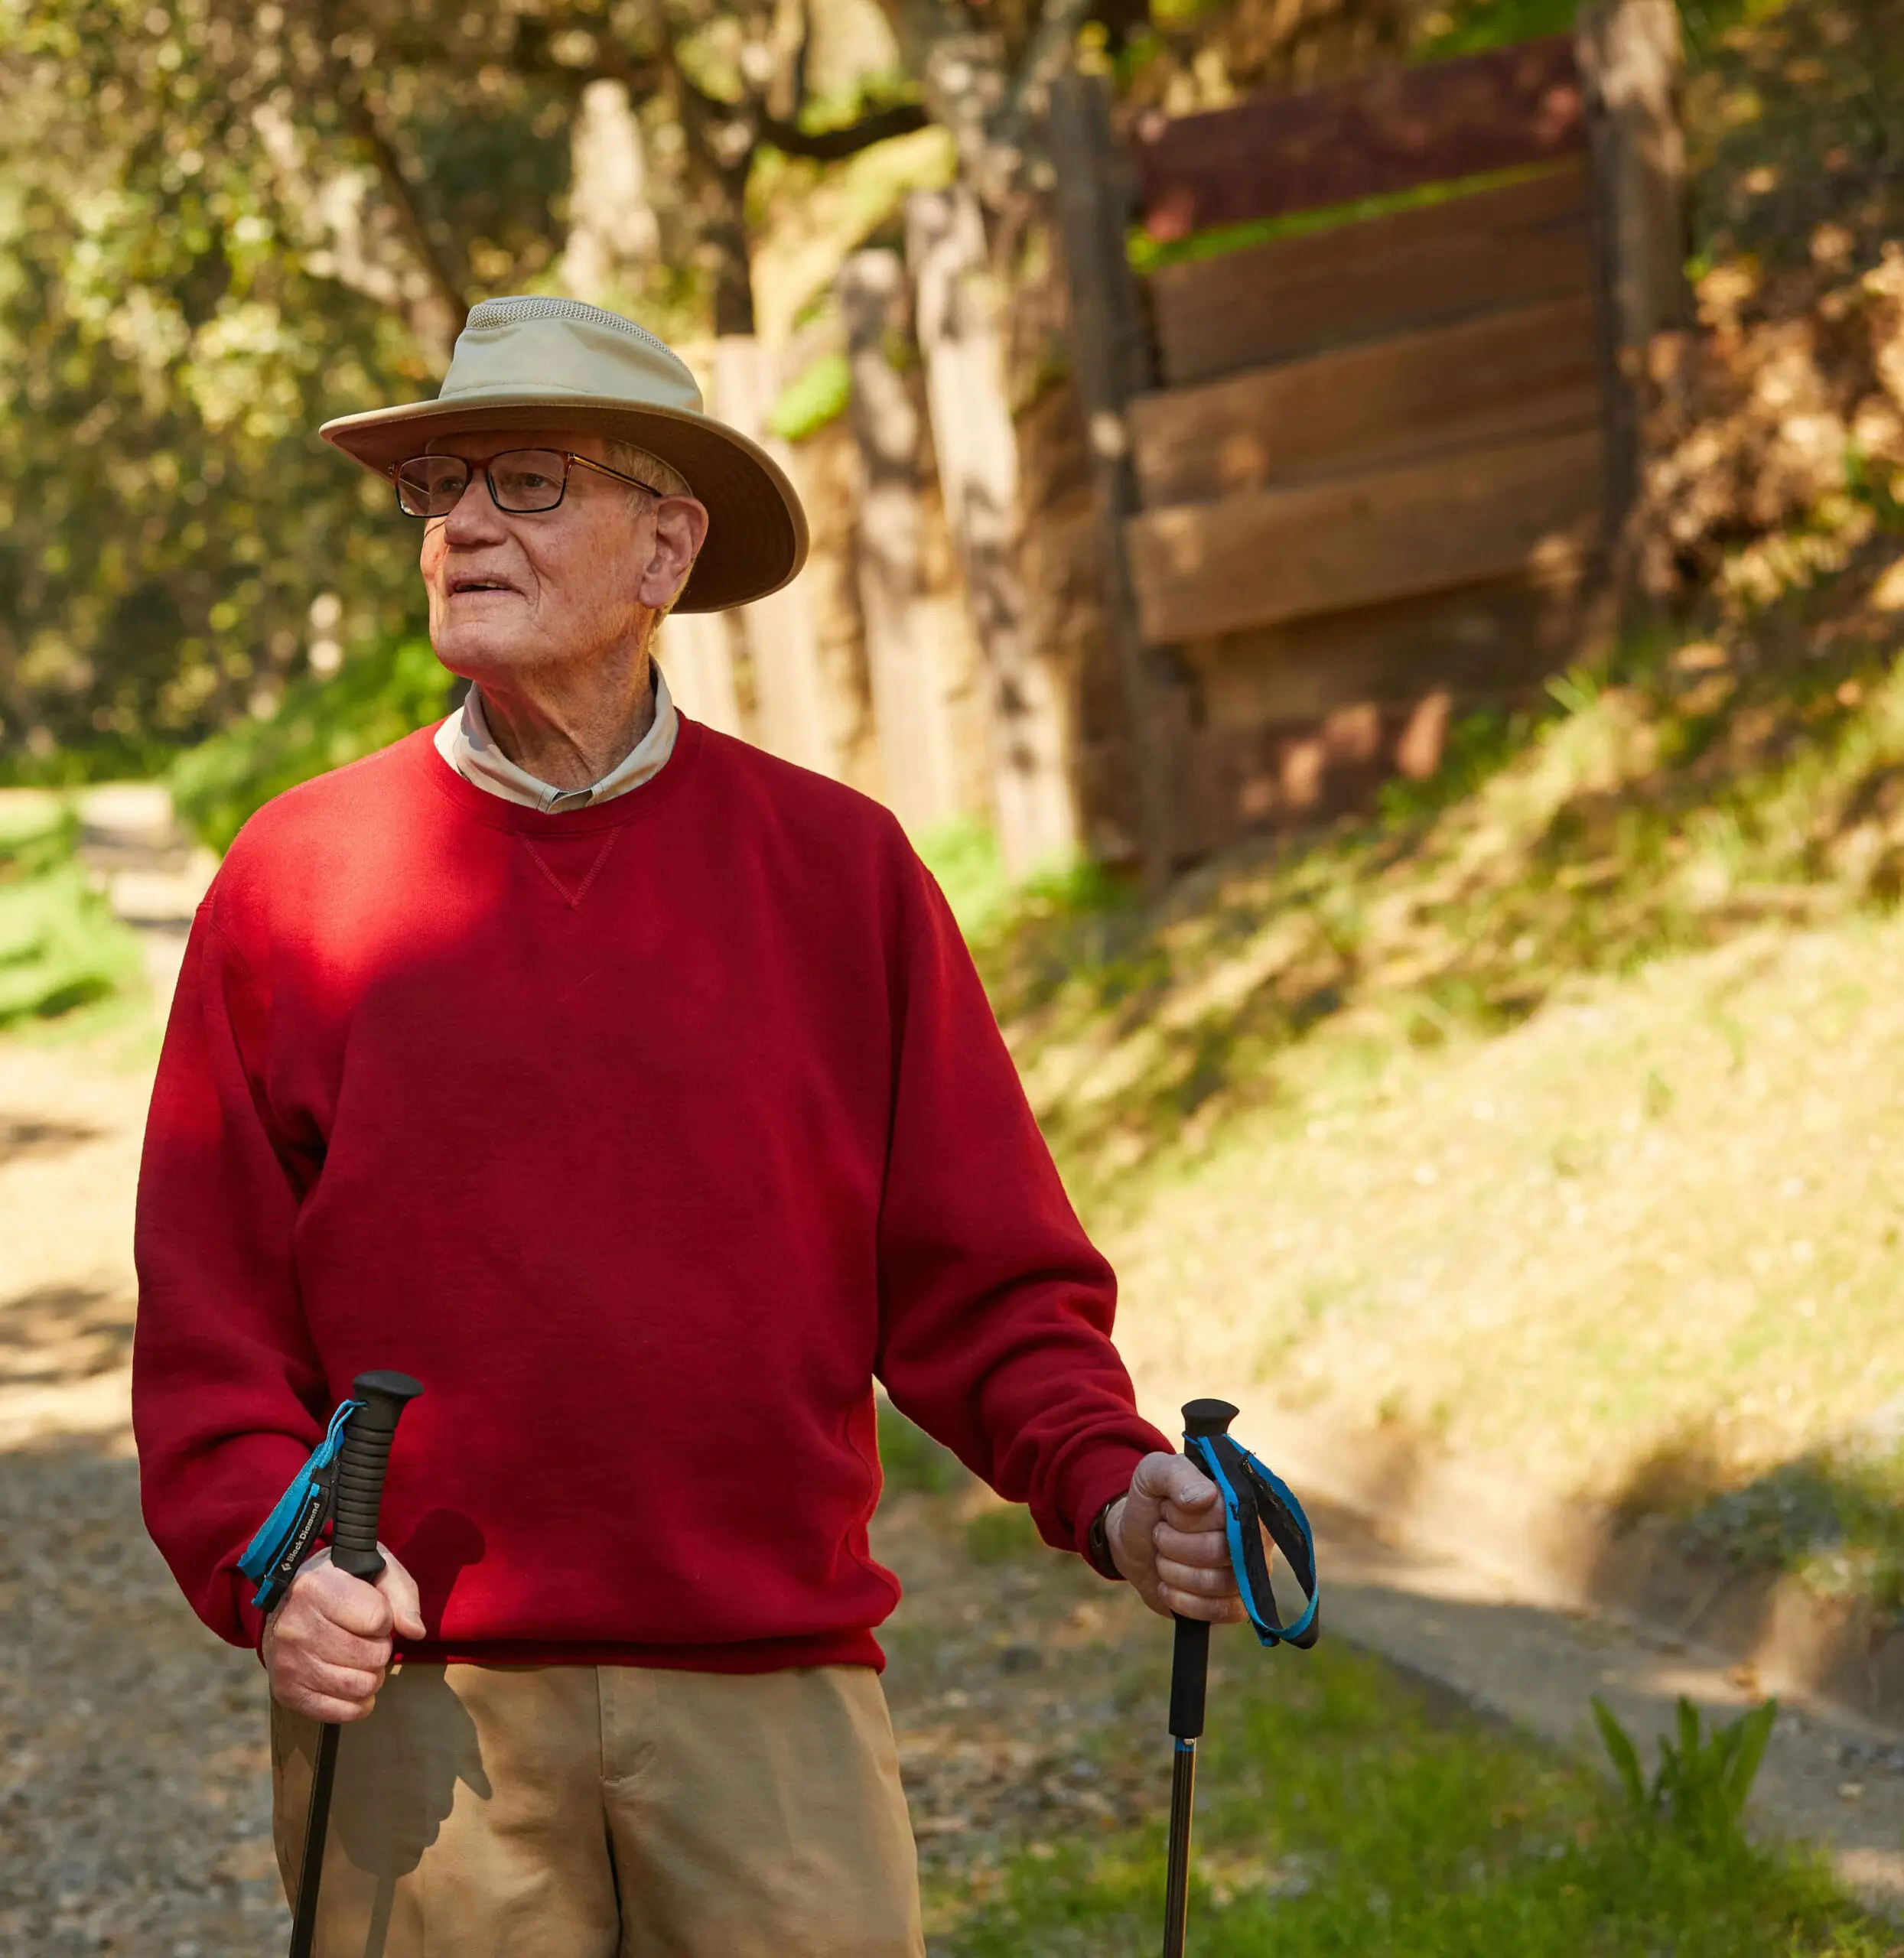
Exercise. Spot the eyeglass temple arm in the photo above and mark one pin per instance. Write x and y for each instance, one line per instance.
(602, 469)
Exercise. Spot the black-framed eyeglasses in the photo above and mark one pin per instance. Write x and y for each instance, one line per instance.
(522, 482)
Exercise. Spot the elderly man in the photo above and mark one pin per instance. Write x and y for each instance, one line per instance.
(634, 1090)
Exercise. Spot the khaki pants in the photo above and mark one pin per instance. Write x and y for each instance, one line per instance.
(609, 1812)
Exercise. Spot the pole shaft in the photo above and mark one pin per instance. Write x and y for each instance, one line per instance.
(1177, 1881)
(303, 1926)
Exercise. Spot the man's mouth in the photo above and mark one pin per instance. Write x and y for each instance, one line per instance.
(458, 586)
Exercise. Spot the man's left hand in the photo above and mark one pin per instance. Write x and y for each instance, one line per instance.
(1167, 1536)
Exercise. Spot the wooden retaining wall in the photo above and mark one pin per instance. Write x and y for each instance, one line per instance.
(1356, 477)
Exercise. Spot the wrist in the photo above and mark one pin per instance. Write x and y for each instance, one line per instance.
(1100, 1546)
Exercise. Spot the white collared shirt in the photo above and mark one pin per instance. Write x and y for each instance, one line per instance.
(464, 741)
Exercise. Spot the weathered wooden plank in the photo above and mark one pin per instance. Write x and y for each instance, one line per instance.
(1285, 553)
(1474, 641)
(1365, 137)
(1303, 720)
(1490, 380)
(1512, 246)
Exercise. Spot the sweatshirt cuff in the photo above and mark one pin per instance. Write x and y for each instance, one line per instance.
(250, 1620)
(1100, 1477)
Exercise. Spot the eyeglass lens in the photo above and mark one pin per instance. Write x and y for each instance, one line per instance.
(522, 481)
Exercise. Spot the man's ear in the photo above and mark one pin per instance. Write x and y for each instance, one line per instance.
(681, 528)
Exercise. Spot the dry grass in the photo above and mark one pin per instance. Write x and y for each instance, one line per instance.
(1558, 1116)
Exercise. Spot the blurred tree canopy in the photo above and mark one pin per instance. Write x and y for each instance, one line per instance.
(221, 223)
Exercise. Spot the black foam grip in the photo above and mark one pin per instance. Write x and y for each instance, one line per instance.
(1189, 1676)
(1190, 1653)
(361, 1463)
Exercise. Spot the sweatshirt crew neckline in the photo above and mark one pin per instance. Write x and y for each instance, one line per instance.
(635, 805)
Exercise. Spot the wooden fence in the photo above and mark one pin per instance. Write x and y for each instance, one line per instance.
(1356, 474)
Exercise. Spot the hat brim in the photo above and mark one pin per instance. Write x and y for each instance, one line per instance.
(757, 530)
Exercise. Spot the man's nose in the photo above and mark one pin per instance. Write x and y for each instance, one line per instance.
(475, 520)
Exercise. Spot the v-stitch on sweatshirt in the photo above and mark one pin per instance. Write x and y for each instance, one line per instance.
(645, 1137)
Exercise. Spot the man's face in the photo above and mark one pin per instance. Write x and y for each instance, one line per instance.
(561, 588)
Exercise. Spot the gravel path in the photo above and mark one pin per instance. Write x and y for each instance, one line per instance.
(132, 1774)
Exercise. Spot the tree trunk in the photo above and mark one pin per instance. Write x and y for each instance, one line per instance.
(1031, 712)
(789, 690)
(613, 236)
(918, 750)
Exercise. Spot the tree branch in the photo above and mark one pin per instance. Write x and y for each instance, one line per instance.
(830, 145)
(348, 83)
(1045, 60)
(396, 186)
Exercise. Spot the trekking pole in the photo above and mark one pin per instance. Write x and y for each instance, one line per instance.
(1189, 1679)
(361, 1461)
(1253, 1500)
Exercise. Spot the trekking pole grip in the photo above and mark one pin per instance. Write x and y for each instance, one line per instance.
(361, 1463)
(1190, 1651)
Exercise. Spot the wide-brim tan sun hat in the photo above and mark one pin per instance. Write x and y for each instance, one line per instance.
(557, 364)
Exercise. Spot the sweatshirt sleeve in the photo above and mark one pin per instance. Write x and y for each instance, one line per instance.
(224, 1381)
(995, 1308)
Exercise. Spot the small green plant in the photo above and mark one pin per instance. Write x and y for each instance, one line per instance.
(1577, 690)
(1701, 1788)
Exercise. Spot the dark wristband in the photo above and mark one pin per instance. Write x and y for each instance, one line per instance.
(1097, 1544)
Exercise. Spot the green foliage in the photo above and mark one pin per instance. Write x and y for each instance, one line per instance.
(1471, 26)
(1339, 1812)
(60, 946)
(963, 857)
(817, 394)
(167, 344)
(1832, 1518)
(379, 695)
(1002, 1535)
(911, 1462)
(1704, 1780)
(991, 910)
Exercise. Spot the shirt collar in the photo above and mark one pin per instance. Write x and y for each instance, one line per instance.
(464, 741)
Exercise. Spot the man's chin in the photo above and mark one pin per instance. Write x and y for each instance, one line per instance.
(470, 653)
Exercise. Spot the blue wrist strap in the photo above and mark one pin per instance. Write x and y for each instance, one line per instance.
(272, 1557)
(1255, 1500)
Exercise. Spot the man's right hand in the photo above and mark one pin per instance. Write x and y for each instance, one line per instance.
(327, 1646)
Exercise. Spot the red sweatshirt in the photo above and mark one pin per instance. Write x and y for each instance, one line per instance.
(645, 1136)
